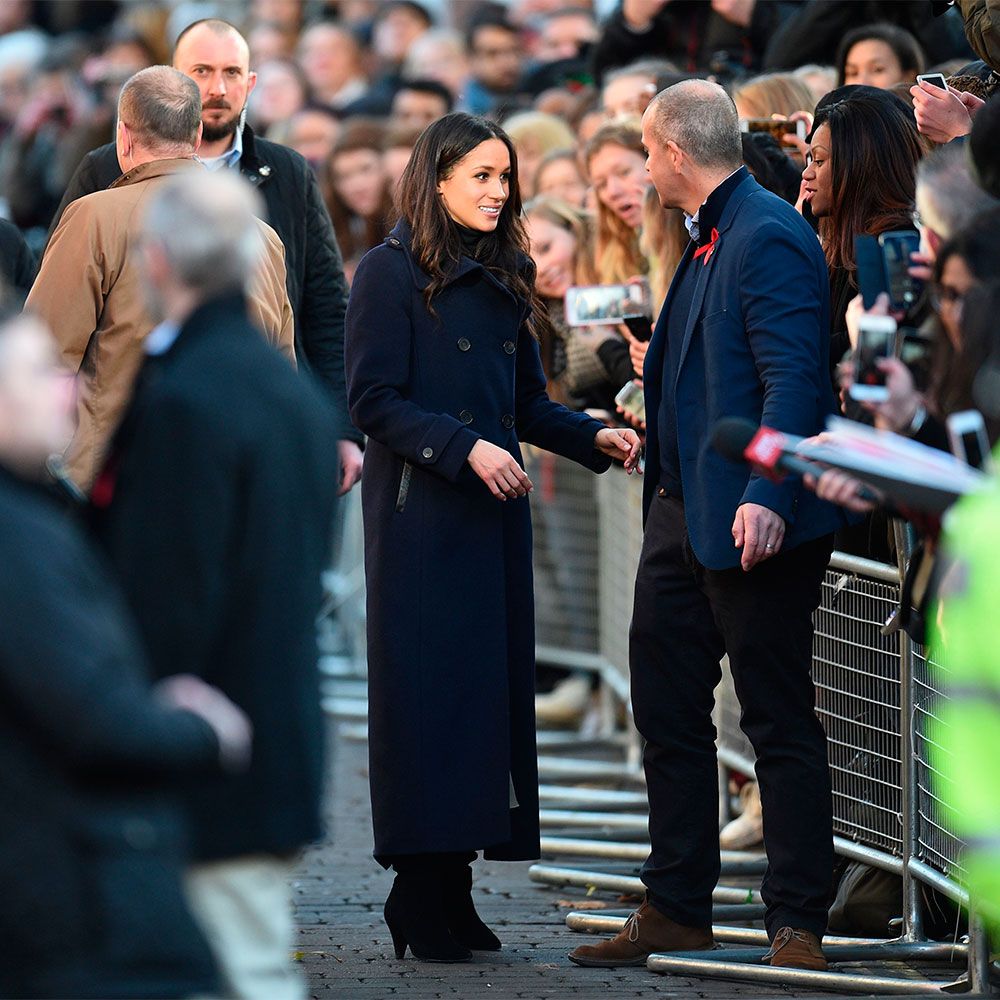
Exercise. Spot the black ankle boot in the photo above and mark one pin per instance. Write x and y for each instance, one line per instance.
(464, 923)
(416, 917)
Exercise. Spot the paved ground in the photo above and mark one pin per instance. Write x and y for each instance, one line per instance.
(345, 946)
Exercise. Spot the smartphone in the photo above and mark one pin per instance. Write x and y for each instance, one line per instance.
(896, 250)
(639, 325)
(934, 79)
(871, 275)
(776, 126)
(605, 305)
(876, 339)
(967, 433)
(632, 399)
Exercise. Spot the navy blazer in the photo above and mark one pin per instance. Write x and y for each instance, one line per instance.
(756, 345)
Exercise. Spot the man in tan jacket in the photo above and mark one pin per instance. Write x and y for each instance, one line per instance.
(89, 290)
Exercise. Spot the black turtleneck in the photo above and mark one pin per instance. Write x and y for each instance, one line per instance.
(470, 239)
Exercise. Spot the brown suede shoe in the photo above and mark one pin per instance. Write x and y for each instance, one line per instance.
(796, 949)
(646, 931)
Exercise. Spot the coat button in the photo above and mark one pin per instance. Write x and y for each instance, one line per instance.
(509, 347)
(464, 344)
(661, 492)
(465, 416)
(428, 453)
(507, 420)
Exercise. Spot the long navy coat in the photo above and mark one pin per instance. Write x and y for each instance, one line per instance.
(450, 604)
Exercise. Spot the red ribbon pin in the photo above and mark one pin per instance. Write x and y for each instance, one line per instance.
(708, 249)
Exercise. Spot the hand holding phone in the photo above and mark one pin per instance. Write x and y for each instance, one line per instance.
(967, 433)
(607, 305)
(876, 340)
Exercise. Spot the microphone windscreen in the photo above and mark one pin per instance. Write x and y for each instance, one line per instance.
(731, 436)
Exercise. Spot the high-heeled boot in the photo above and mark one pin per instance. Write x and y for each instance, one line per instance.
(465, 924)
(416, 918)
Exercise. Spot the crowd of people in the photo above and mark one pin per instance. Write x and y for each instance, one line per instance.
(430, 180)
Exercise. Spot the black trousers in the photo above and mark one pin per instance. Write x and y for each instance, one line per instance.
(685, 618)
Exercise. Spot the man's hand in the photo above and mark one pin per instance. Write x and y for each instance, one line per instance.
(759, 532)
(352, 460)
(499, 470)
(621, 444)
(739, 12)
(942, 115)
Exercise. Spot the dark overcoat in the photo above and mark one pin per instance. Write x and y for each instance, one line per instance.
(450, 604)
(91, 843)
(215, 506)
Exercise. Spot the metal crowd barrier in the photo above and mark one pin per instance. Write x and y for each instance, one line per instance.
(875, 696)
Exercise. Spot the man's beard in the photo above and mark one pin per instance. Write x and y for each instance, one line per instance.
(220, 130)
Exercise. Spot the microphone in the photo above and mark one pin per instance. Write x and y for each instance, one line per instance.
(769, 452)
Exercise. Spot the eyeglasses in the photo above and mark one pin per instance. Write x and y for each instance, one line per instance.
(946, 295)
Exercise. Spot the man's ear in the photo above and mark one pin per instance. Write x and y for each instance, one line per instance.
(197, 138)
(251, 82)
(676, 156)
(124, 138)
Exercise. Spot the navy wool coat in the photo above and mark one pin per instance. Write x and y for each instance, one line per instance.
(450, 603)
(756, 345)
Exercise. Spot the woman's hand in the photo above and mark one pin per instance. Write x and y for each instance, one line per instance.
(840, 488)
(897, 412)
(942, 115)
(636, 349)
(619, 443)
(856, 309)
(499, 470)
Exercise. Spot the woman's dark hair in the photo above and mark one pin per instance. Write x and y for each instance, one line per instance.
(436, 241)
(972, 375)
(771, 166)
(955, 372)
(904, 46)
(356, 235)
(874, 152)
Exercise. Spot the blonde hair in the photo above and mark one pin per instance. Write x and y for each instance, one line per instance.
(663, 241)
(773, 94)
(549, 132)
(577, 221)
(616, 246)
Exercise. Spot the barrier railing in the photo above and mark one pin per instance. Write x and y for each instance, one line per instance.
(875, 695)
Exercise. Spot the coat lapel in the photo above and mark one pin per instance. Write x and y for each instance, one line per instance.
(705, 270)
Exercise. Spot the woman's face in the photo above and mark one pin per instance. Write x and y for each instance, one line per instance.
(817, 175)
(873, 62)
(478, 186)
(956, 281)
(359, 179)
(561, 179)
(619, 179)
(552, 249)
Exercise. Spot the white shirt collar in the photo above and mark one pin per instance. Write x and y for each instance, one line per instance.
(162, 337)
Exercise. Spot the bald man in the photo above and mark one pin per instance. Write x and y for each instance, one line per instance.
(88, 290)
(732, 562)
(215, 55)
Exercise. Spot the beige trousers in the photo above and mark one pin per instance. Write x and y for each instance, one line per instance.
(244, 908)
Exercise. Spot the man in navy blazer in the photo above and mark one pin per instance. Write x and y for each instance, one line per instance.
(732, 563)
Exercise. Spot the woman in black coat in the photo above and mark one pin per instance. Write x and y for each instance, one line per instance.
(444, 375)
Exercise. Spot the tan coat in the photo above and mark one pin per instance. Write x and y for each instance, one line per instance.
(89, 291)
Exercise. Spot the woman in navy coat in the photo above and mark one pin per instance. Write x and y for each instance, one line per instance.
(445, 378)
